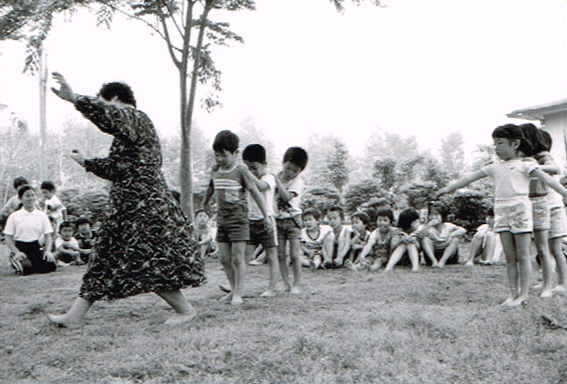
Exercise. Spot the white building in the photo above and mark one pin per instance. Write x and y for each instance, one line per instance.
(553, 118)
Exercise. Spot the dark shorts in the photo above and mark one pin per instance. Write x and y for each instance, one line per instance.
(289, 229)
(233, 229)
(260, 235)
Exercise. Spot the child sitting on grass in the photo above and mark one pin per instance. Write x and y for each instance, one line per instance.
(441, 243)
(377, 250)
(342, 237)
(359, 235)
(485, 245)
(66, 246)
(205, 234)
(407, 240)
(86, 237)
(316, 240)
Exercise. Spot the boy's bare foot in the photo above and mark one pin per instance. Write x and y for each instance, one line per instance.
(295, 290)
(236, 300)
(62, 321)
(469, 264)
(350, 266)
(546, 294)
(181, 318)
(415, 270)
(507, 302)
(519, 301)
(560, 290)
(226, 299)
(268, 293)
(386, 271)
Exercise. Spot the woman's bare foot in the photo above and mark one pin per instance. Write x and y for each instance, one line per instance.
(181, 318)
(63, 321)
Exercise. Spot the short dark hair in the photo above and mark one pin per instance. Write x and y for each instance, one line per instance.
(385, 212)
(297, 156)
(66, 224)
(202, 210)
(226, 140)
(83, 220)
(362, 216)
(490, 212)
(118, 89)
(255, 153)
(406, 217)
(23, 189)
(530, 138)
(545, 140)
(48, 185)
(312, 212)
(513, 132)
(441, 209)
(337, 208)
(19, 181)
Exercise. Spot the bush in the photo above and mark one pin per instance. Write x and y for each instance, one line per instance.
(320, 198)
(366, 194)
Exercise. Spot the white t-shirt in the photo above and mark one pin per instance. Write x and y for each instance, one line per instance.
(286, 210)
(317, 243)
(511, 178)
(28, 226)
(254, 212)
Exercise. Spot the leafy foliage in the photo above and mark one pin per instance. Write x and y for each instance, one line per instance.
(359, 195)
(336, 171)
(321, 198)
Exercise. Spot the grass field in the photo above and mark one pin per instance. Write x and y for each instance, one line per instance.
(436, 326)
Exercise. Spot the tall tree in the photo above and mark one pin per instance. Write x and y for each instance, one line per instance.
(453, 154)
(336, 170)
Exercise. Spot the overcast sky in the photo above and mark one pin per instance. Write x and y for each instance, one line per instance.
(417, 67)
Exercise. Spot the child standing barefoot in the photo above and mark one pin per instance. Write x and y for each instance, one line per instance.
(230, 181)
(512, 207)
(289, 187)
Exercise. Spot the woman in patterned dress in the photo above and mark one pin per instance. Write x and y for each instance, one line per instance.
(145, 244)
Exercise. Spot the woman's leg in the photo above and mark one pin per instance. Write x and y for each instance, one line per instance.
(185, 311)
(74, 315)
(542, 246)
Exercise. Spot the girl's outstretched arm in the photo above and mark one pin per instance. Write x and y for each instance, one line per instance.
(464, 181)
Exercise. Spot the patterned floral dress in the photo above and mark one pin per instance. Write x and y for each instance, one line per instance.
(145, 243)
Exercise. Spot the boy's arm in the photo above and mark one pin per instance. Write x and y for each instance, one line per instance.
(259, 199)
(344, 248)
(209, 194)
(328, 244)
(260, 184)
(282, 190)
(466, 180)
(550, 181)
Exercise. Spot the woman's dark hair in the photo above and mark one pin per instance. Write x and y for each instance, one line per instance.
(255, 153)
(226, 140)
(119, 89)
(19, 181)
(297, 156)
(24, 189)
(312, 212)
(406, 217)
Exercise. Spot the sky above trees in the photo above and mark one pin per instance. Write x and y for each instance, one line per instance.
(423, 68)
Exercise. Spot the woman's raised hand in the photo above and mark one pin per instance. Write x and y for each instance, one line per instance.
(65, 92)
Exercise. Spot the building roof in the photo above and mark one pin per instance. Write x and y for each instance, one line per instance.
(540, 111)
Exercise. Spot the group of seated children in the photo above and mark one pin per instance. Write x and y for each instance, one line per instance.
(355, 247)
(74, 248)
